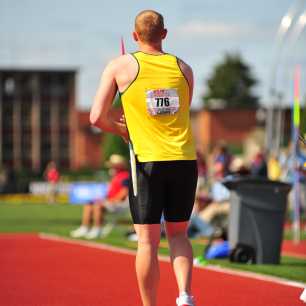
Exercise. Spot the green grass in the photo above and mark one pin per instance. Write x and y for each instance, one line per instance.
(290, 268)
(61, 219)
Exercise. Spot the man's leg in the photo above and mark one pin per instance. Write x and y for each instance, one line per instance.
(86, 220)
(98, 213)
(202, 227)
(87, 214)
(181, 254)
(214, 209)
(147, 266)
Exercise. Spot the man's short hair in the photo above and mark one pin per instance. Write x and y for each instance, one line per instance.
(149, 25)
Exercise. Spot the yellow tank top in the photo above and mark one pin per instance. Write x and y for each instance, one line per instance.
(156, 108)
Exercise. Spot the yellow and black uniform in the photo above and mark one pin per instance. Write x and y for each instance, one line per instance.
(156, 108)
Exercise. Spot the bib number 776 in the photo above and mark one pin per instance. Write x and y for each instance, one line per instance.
(162, 101)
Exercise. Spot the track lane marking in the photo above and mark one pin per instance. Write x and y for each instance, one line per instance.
(229, 271)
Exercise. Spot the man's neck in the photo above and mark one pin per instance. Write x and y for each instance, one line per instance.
(151, 49)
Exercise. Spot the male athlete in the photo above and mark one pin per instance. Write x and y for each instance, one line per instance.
(156, 92)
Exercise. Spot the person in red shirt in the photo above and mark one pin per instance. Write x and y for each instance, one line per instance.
(117, 195)
(52, 176)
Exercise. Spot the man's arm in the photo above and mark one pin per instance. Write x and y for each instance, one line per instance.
(188, 74)
(101, 114)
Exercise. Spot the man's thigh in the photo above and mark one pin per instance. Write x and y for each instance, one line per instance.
(147, 206)
(180, 192)
(164, 187)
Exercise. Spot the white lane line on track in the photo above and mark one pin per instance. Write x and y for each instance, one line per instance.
(218, 269)
(90, 244)
(273, 279)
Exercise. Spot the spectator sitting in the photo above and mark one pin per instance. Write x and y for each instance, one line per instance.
(116, 197)
(219, 193)
(202, 219)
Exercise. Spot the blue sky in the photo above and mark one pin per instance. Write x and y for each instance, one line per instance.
(85, 35)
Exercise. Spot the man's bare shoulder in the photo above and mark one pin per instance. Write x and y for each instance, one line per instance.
(120, 62)
(122, 69)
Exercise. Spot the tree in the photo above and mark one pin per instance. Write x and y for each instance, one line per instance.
(114, 144)
(231, 84)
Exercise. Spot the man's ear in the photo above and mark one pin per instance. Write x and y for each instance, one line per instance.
(135, 36)
(164, 33)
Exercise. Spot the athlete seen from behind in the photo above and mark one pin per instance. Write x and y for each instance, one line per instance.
(156, 92)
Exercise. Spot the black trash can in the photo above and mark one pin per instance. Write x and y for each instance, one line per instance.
(256, 220)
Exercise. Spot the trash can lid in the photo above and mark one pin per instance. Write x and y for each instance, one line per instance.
(234, 182)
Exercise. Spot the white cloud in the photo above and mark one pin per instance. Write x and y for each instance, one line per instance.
(198, 28)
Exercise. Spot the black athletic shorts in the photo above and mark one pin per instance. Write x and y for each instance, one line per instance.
(164, 187)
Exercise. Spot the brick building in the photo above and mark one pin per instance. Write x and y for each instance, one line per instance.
(39, 122)
(232, 125)
(88, 153)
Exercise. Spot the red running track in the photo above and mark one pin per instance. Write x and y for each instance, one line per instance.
(42, 272)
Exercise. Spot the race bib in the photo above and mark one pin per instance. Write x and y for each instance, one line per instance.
(162, 101)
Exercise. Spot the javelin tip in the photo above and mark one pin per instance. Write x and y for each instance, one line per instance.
(122, 46)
